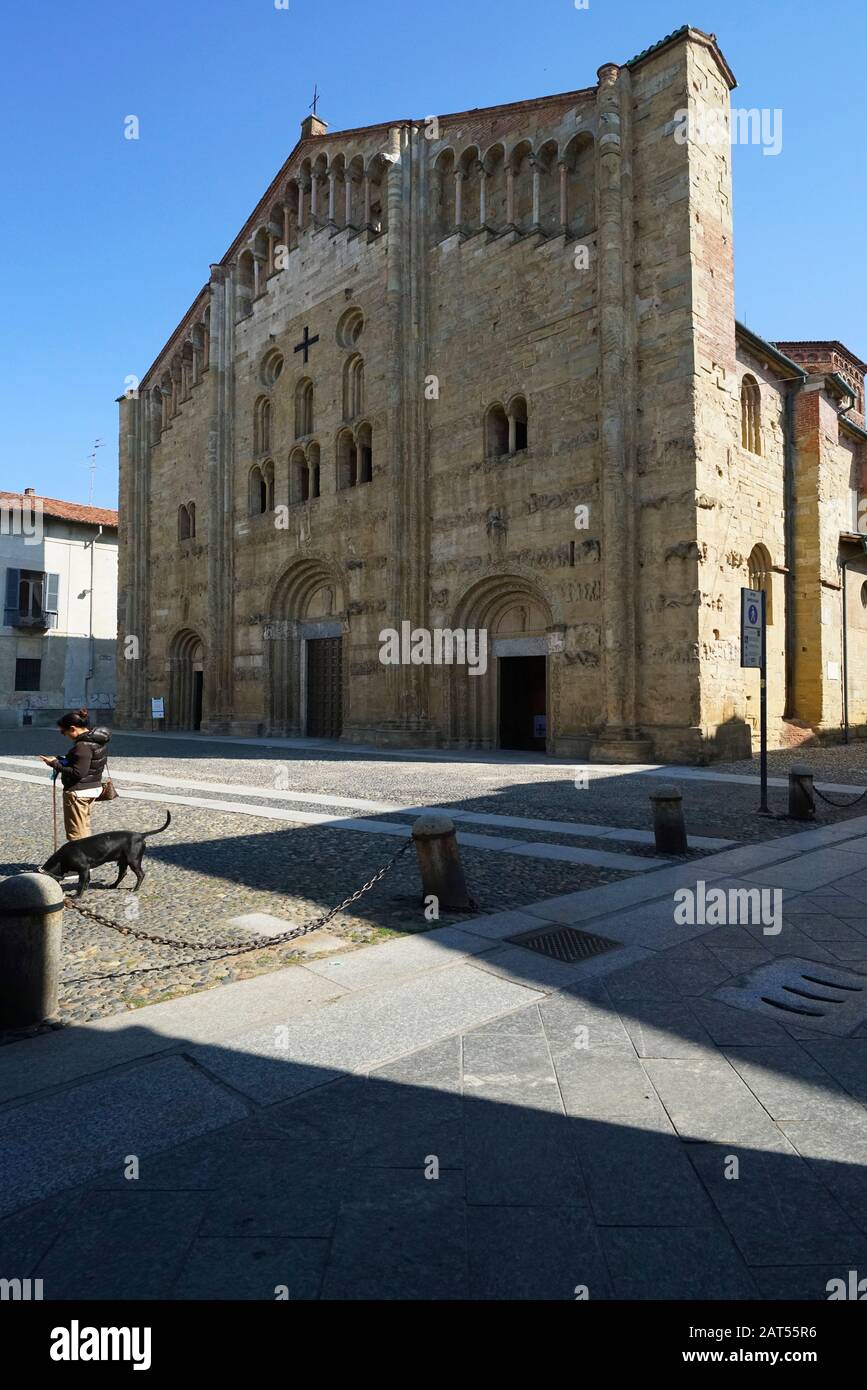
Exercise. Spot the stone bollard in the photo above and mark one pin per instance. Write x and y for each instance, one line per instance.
(802, 805)
(439, 862)
(669, 828)
(31, 920)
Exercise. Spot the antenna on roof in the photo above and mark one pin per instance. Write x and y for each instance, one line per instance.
(315, 102)
(90, 462)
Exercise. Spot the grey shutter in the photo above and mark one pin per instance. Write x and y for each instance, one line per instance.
(52, 584)
(10, 614)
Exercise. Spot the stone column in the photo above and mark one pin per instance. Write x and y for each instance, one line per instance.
(510, 196)
(483, 195)
(564, 200)
(366, 223)
(620, 740)
(536, 221)
(314, 198)
(347, 195)
(332, 193)
(300, 205)
(459, 189)
(219, 644)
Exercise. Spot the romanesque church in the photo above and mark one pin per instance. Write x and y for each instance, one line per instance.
(482, 372)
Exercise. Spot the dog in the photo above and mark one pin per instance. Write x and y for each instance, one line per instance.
(122, 847)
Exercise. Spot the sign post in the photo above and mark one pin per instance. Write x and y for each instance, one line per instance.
(754, 653)
(158, 709)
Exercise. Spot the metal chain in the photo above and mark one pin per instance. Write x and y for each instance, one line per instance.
(230, 948)
(841, 805)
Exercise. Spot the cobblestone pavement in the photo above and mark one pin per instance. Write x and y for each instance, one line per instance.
(212, 865)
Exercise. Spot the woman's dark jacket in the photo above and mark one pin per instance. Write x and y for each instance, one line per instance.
(82, 768)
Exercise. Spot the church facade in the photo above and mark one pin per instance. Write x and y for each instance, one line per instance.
(477, 379)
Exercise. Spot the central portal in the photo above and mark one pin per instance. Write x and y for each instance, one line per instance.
(523, 703)
(324, 687)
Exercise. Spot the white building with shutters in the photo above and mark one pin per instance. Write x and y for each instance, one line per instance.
(58, 571)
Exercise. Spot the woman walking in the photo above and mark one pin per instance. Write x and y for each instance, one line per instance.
(81, 771)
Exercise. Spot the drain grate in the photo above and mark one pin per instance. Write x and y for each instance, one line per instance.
(830, 998)
(567, 944)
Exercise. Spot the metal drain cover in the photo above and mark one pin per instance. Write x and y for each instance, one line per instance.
(802, 993)
(564, 943)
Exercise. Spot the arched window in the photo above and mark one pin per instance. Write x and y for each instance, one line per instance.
(496, 432)
(517, 424)
(184, 531)
(761, 577)
(303, 408)
(262, 426)
(353, 387)
(268, 474)
(191, 513)
(751, 415)
(246, 283)
(258, 491)
(314, 467)
(347, 460)
(364, 453)
(299, 477)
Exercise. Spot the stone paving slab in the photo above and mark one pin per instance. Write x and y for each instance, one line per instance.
(676, 1262)
(64, 1139)
(810, 871)
(55, 1059)
(351, 1036)
(397, 960)
(93, 1258)
(776, 1209)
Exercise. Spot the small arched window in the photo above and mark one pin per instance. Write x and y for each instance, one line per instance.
(353, 387)
(258, 500)
(517, 424)
(751, 415)
(262, 426)
(761, 572)
(347, 460)
(299, 477)
(191, 513)
(303, 408)
(364, 453)
(496, 432)
(184, 531)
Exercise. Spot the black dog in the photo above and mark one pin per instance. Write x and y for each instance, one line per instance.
(122, 847)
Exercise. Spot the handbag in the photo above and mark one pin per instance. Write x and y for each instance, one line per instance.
(109, 792)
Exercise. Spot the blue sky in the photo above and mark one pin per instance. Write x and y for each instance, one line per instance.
(106, 241)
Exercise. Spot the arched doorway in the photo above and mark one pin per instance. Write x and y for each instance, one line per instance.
(509, 706)
(186, 681)
(304, 653)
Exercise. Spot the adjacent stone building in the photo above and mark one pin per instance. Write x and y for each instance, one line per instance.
(482, 372)
(58, 567)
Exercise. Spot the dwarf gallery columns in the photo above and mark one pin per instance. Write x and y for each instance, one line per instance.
(347, 210)
(219, 642)
(366, 223)
(564, 205)
(332, 195)
(536, 223)
(459, 190)
(616, 484)
(483, 195)
(510, 196)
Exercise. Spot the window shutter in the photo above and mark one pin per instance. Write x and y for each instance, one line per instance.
(52, 585)
(10, 615)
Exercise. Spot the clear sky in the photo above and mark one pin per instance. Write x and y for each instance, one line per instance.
(106, 241)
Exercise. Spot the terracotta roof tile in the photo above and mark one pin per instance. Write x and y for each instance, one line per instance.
(64, 511)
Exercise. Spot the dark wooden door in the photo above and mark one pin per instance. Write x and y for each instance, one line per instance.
(324, 687)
